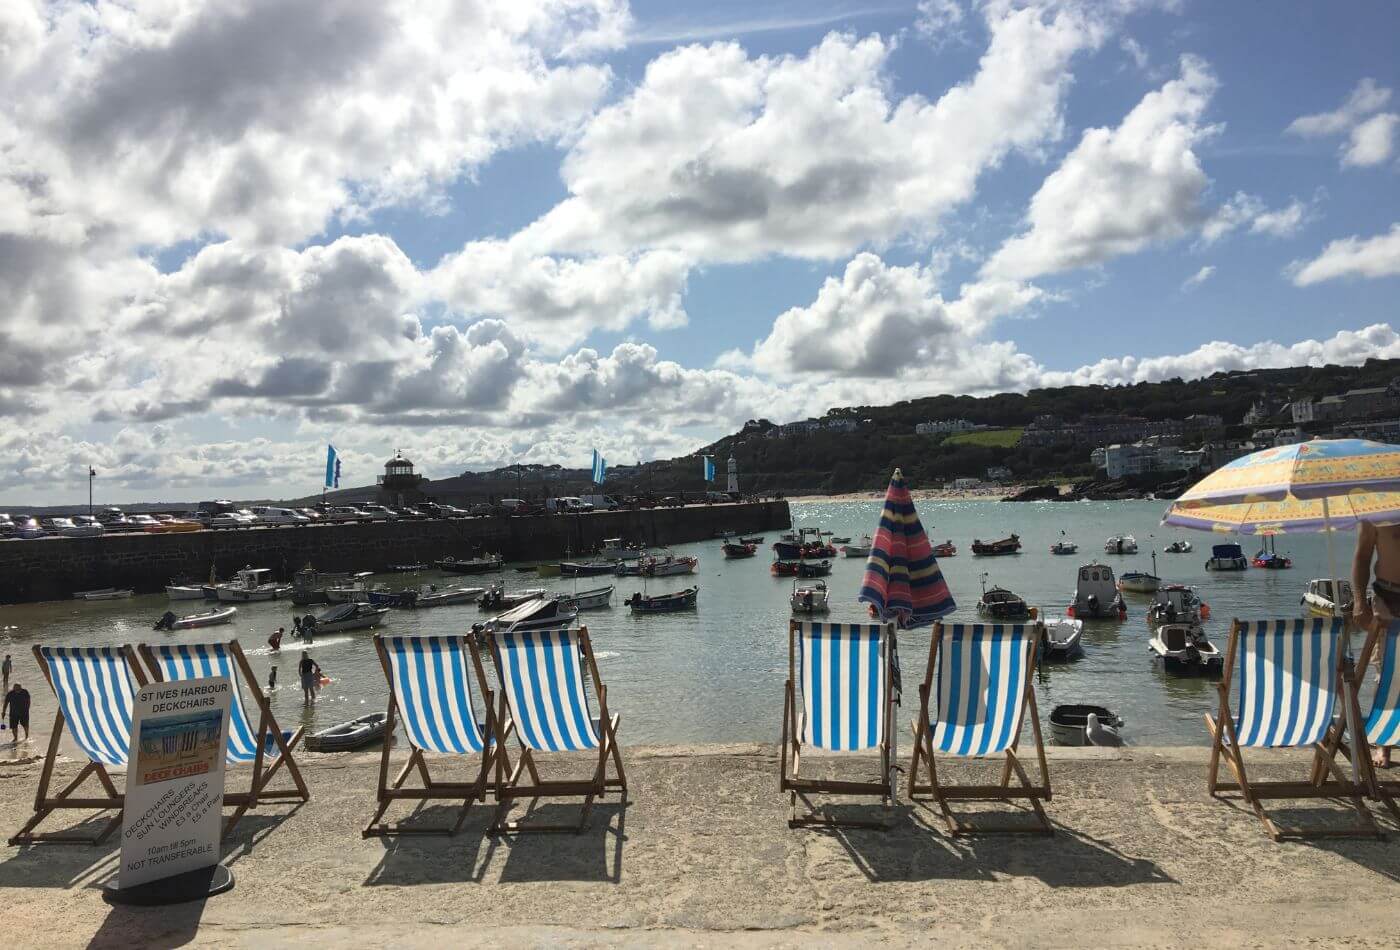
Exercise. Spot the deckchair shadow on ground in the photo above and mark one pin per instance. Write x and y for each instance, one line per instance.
(541, 673)
(95, 688)
(982, 678)
(265, 747)
(460, 858)
(839, 697)
(430, 692)
(594, 854)
(1290, 681)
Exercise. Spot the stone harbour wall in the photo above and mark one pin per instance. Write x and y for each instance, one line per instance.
(53, 568)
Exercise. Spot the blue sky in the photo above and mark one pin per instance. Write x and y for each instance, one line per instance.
(490, 233)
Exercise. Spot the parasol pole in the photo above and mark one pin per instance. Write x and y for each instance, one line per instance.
(1352, 725)
(1332, 561)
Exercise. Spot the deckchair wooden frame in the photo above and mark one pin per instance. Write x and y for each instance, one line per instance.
(432, 789)
(1004, 792)
(258, 791)
(799, 787)
(508, 786)
(44, 805)
(1337, 740)
(1225, 744)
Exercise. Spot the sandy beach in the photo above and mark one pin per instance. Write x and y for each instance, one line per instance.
(701, 855)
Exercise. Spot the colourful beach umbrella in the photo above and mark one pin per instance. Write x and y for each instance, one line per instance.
(1321, 468)
(902, 580)
(1291, 515)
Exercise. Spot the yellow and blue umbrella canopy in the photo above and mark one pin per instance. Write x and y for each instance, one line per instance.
(1290, 516)
(1321, 468)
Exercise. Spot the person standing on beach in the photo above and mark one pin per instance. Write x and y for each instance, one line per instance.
(6, 668)
(1383, 545)
(16, 706)
(310, 674)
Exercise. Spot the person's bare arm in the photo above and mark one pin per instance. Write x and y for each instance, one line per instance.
(1361, 572)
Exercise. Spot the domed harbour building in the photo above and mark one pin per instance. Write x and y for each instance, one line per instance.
(400, 485)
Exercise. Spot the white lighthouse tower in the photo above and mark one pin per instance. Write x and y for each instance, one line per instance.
(733, 487)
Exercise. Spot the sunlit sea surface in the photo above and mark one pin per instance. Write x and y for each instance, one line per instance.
(716, 674)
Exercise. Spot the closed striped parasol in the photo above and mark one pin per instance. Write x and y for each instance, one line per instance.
(902, 580)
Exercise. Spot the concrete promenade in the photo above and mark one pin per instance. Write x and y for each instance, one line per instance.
(702, 856)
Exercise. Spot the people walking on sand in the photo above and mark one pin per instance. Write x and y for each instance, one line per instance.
(296, 627)
(16, 707)
(275, 641)
(308, 629)
(6, 668)
(310, 674)
(1382, 544)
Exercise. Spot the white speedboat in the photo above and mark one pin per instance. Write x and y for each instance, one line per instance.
(1127, 544)
(1061, 640)
(671, 566)
(1096, 595)
(344, 617)
(810, 598)
(1177, 603)
(1321, 600)
(184, 591)
(1064, 547)
(859, 550)
(252, 584)
(595, 599)
(1183, 648)
(1178, 547)
(1227, 557)
(104, 593)
(207, 618)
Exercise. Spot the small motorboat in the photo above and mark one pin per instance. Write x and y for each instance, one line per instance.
(946, 549)
(808, 543)
(586, 568)
(355, 734)
(1008, 545)
(836, 540)
(1064, 546)
(1227, 557)
(1177, 603)
(1126, 544)
(663, 603)
(425, 596)
(537, 613)
(784, 568)
(1096, 595)
(355, 616)
(671, 566)
(1321, 599)
(1139, 582)
(472, 565)
(252, 584)
(813, 568)
(356, 588)
(1183, 648)
(1178, 547)
(615, 549)
(1061, 639)
(755, 540)
(634, 568)
(1068, 722)
(184, 591)
(810, 599)
(1001, 604)
(104, 593)
(859, 550)
(595, 599)
(207, 618)
(1269, 559)
(734, 551)
(496, 597)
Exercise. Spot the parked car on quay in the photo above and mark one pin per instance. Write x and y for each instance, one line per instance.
(141, 522)
(69, 528)
(312, 514)
(377, 512)
(7, 525)
(346, 513)
(268, 514)
(89, 524)
(28, 528)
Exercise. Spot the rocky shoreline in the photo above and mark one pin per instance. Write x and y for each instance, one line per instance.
(1105, 489)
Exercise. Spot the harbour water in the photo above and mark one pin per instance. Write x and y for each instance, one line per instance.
(716, 674)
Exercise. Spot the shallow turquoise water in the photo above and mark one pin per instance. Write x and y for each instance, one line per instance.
(716, 674)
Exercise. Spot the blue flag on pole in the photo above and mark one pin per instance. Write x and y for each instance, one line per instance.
(709, 468)
(332, 468)
(600, 468)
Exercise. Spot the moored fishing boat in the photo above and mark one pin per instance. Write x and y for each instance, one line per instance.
(252, 584)
(356, 588)
(808, 543)
(1060, 640)
(348, 736)
(1227, 557)
(859, 550)
(1124, 544)
(595, 599)
(496, 596)
(1268, 557)
(1064, 546)
(1183, 648)
(1321, 599)
(615, 549)
(670, 566)
(472, 565)
(1001, 604)
(946, 549)
(630, 568)
(734, 551)
(586, 568)
(810, 598)
(184, 591)
(1096, 595)
(663, 603)
(354, 616)
(1178, 547)
(1140, 582)
(309, 585)
(207, 618)
(784, 568)
(1007, 545)
(813, 568)
(104, 593)
(1177, 603)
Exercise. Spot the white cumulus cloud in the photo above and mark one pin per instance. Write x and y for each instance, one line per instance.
(1355, 256)
(1370, 141)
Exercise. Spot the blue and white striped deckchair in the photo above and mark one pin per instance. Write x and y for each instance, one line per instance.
(542, 674)
(1381, 725)
(95, 688)
(973, 702)
(430, 693)
(261, 743)
(1290, 681)
(839, 697)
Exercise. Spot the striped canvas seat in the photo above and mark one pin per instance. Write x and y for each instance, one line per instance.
(842, 677)
(1288, 680)
(433, 693)
(1383, 721)
(187, 661)
(542, 675)
(94, 688)
(981, 688)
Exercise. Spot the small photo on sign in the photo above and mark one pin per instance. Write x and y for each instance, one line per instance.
(178, 746)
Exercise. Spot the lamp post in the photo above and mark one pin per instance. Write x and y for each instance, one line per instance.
(92, 473)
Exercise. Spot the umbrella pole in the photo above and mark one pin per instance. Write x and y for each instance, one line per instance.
(1346, 629)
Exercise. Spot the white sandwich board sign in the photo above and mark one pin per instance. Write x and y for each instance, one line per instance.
(174, 779)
